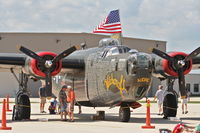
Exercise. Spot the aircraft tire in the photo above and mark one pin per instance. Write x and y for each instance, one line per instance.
(124, 114)
(23, 110)
(170, 105)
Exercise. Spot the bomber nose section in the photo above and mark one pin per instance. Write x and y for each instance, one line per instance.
(139, 69)
(143, 82)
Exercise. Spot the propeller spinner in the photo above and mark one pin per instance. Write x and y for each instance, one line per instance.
(48, 64)
(178, 65)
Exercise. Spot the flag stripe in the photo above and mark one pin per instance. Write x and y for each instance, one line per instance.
(111, 24)
(109, 28)
(107, 31)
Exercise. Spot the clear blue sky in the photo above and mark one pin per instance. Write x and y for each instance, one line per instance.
(174, 21)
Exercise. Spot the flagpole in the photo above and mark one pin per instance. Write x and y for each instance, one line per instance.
(118, 36)
(121, 30)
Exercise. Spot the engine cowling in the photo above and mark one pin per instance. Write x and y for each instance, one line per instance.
(36, 68)
(165, 67)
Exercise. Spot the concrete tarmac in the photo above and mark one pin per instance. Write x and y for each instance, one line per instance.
(84, 124)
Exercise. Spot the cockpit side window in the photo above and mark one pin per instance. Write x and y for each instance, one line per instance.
(111, 51)
(126, 49)
(123, 49)
(120, 50)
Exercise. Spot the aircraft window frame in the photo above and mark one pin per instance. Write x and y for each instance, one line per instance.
(115, 51)
(124, 49)
(112, 51)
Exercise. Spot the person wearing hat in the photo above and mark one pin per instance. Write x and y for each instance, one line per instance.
(63, 103)
(70, 100)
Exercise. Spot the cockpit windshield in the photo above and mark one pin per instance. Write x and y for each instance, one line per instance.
(115, 50)
(108, 42)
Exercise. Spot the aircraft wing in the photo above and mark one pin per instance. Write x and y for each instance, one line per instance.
(17, 61)
(42, 64)
(73, 63)
(196, 62)
(11, 60)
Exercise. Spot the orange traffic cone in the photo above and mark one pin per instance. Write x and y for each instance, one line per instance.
(148, 119)
(3, 122)
(7, 104)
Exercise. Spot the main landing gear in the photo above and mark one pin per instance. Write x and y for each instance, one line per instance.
(170, 103)
(22, 107)
(124, 113)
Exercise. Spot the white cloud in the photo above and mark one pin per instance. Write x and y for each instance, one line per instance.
(176, 21)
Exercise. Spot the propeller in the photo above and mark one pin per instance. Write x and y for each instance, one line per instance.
(48, 65)
(178, 64)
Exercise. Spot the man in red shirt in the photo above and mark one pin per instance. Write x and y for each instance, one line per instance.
(70, 100)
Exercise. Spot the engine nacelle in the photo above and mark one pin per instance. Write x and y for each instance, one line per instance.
(35, 68)
(164, 67)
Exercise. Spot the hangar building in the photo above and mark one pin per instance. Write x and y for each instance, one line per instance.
(57, 42)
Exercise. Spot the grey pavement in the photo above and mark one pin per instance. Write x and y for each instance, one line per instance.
(84, 124)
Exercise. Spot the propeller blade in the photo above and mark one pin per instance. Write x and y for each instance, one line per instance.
(48, 81)
(181, 81)
(193, 54)
(30, 53)
(162, 54)
(66, 53)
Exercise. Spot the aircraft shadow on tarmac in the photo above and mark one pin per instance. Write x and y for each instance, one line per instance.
(112, 117)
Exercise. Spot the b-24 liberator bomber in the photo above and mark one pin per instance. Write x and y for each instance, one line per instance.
(105, 76)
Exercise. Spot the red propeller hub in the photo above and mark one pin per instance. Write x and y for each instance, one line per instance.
(168, 66)
(38, 68)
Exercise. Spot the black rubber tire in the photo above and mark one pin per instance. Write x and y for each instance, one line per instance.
(23, 110)
(124, 114)
(170, 105)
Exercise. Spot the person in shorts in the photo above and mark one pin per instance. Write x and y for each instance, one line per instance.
(70, 100)
(42, 96)
(63, 103)
(159, 96)
(184, 102)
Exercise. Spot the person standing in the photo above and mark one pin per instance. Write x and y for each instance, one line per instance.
(63, 103)
(70, 100)
(79, 108)
(159, 96)
(42, 96)
(184, 102)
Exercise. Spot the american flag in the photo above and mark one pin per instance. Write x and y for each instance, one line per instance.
(111, 24)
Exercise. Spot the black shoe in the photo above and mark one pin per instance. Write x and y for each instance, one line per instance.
(186, 112)
(164, 117)
(158, 114)
(182, 112)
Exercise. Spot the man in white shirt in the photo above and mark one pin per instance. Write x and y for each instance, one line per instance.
(159, 96)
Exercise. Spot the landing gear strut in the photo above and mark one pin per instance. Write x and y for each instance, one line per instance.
(22, 108)
(170, 103)
(124, 113)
